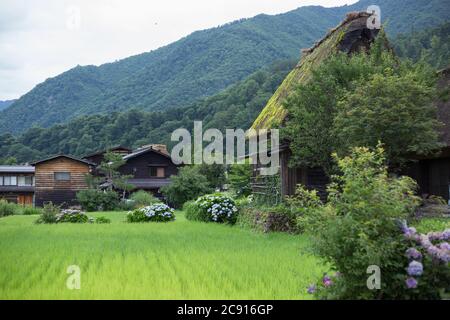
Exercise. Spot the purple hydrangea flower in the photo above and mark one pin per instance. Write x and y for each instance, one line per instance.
(415, 268)
(445, 246)
(312, 289)
(433, 236)
(413, 254)
(327, 282)
(425, 241)
(411, 283)
(433, 251)
(410, 232)
(446, 234)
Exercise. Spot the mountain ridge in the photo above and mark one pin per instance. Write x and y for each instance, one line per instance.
(196, 66)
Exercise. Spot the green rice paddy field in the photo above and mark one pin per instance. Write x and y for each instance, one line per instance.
(178, 260)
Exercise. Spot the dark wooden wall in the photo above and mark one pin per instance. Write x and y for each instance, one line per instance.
(432, 176)
(59, 192)
(99, 157)
(139, 166)
(311, 178)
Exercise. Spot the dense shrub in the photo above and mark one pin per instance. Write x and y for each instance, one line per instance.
(28, 211)
(8, 209)
(192, 211)
(215, 208)
(126, 205)
(244, 202)
(271, 219)
(101, 220)
(98, 200)
(49, 213)
(187, 185)
(214, 173)
(427, 258)
(142, 198)
(159, 212)
(359, 227)
(301, 203)
(239, 178)
(72, 216)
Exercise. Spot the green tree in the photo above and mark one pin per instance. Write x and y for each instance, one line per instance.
(214, 173)
(8, 161)
(187, 185)
(312, 107)
(359, 100)
(239, 178)
(395, 109)
(110, 168)
(358, 227)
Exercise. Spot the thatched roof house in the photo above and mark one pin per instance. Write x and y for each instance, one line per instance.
(349, 36)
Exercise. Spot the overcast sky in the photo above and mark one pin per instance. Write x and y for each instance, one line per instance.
(43, 38)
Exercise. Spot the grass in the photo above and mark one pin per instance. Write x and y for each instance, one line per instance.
(426, 225)
(178, 260)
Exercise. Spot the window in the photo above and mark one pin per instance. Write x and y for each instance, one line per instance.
(62, 176)
(160, 173)
(1, 180)
(157, 172)
(10, 181)
(25, 181)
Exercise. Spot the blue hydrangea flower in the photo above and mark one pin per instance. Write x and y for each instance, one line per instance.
(312, 289)
(413, 254)
(411, 283)
(415, 268)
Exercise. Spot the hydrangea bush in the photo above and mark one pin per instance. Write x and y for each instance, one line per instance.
(72, 216)
(359, 227)
(427, 258)
(426, 268)
(213, 208)
(159, 212)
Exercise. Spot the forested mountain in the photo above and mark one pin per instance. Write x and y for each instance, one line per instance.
(199, 65)
(5, 104)
(235, 107)
(431, 46)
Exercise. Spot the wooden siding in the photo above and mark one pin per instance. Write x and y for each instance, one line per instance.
(23, 198)
(59, 192)
(139, 166)
(311, 178)
(432, 176)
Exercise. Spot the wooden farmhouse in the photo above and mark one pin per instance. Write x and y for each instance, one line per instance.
(58, 179)
(17, 184)
(350, 36)
(150, 166)
(432, 172)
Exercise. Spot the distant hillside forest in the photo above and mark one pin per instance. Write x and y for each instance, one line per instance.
(237, 107)
(5, 104)
(199, 65)
(431, 46)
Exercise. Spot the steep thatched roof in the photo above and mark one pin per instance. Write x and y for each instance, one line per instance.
(350, 35)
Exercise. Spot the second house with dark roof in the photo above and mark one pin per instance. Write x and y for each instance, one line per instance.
(150, 166)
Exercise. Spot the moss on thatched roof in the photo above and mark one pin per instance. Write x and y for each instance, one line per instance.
(350, 35)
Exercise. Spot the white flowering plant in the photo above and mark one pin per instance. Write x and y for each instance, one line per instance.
(158, 212)
(215, 208)
(72, 215)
